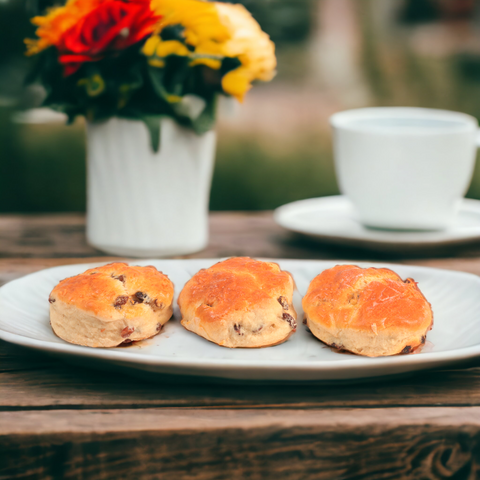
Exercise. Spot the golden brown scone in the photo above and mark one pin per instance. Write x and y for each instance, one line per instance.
(367, 311)
(240, 302)
(110, 305)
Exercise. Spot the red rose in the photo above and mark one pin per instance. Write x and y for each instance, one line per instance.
(113, 25)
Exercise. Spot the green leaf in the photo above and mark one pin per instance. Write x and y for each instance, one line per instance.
(206, 121)
(132, 89)
(176, 73)
(156, 77)
(153, 125)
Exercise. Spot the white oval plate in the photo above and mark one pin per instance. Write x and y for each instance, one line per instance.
(455, 299)
(333, 220)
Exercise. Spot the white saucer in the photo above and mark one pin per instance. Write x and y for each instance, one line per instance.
(332, 220)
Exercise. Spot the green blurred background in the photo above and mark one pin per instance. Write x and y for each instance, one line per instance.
(276, 147)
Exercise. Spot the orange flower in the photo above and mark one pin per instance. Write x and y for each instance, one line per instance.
(86, 30)
(52, 26)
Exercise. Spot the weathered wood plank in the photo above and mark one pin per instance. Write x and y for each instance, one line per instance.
(47, 236)
(61, 235)
(171, 444)
(231, 233)
(29, 380)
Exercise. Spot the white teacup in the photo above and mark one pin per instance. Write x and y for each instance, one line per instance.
(402, 167)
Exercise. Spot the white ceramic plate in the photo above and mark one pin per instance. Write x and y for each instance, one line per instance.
(333, 220)
(455, 299)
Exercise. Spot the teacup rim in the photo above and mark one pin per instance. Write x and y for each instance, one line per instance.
(342, 119)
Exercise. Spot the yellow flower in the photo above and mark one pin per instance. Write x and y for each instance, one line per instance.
(250, 45)
(215, 31)
(201, 30)
(237, 82)
(209, 53)
(94, 85)
(173, 99)
(171, 47)
(199, 18)
(155, 62)
(151, 45)
(212, 63)
(155, 46)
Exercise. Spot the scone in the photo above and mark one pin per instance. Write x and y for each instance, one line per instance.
(111, 305)
(240, 302)
(371, 311)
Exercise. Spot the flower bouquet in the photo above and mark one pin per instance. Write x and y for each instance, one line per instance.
(140, 59)
(161, 64)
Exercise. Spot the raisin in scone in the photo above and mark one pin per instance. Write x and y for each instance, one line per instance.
(367, 311)
(240, 302)
(111, 305)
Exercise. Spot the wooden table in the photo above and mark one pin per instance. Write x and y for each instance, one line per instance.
(58, 421)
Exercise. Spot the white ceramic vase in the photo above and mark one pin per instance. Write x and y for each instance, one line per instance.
(141, 203)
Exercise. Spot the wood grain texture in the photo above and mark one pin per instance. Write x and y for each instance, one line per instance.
(171, 444)
(231, 233)
(57, 236)
(30, 380)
